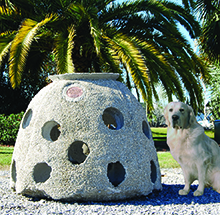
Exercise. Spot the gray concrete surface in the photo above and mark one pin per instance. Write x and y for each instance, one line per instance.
(85, 138)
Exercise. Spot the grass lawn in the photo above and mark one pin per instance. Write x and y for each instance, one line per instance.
(159, 134)
(165, 158)
(162, 132)
(5, 156)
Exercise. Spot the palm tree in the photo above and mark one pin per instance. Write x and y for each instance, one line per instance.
(139, 37)
(209, 41)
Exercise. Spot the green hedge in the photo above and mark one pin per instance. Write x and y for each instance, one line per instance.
(9, 126)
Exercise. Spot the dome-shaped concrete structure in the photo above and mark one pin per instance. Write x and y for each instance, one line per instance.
(85, 137)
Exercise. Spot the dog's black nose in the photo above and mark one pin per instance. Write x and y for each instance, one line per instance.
(175, 117)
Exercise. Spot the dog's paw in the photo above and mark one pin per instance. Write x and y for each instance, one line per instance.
(198, 193)
(183, 192)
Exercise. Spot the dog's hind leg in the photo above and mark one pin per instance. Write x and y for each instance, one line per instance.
(216, 181)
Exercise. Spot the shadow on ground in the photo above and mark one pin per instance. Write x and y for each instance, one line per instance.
(169, 195)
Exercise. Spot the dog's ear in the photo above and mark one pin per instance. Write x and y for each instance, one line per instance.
(166, 115)
(191, 118)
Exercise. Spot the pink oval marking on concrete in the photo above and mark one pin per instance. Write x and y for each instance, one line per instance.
(74, 92)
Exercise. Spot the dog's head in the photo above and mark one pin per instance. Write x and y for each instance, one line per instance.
(179, 115)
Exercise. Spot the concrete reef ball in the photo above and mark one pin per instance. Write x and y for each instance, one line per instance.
(85, 137)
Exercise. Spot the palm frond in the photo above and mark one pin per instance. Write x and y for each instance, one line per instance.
(194, 88)
(63, 51)
(96, 34)
(184, 18)
(206, 9)
(9, 4)
(108, 58)
(4, 51)
(160, 69)
(130, 56)
(4, 11)
(21, 45)
(77, 11)
(5, 44)
(189, 4)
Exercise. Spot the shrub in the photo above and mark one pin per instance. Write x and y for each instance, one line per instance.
(9, 126)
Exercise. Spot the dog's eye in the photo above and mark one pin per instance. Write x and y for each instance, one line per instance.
(181, 110)
(171, 109)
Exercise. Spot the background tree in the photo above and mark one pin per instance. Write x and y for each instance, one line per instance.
(209, 14)
(215, 93)
(139, 38)
(17, 100)
(156, 117)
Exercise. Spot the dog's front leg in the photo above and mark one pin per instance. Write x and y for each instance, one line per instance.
(201, 178)
(188, 181)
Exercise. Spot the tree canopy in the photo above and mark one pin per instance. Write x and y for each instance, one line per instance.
(210, 38)
(140, 38)
(208, 13)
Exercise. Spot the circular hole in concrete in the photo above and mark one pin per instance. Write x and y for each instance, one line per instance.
(77, 152)
(27, 119)
(41, 172)
(51, 131)
(153, 174)
(113, 118)
(116, 173)
(146, 129)
(13, 171)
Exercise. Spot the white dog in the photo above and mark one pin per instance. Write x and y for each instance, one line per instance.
(197, 154)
